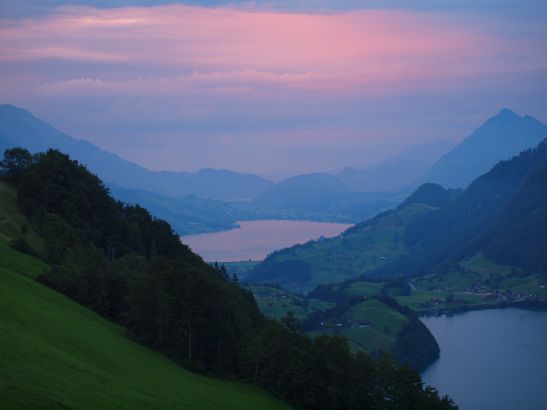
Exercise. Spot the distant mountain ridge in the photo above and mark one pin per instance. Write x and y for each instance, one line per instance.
(317, 197)
(303, 189)
(19, 127)
(397, 172)
(499, 138)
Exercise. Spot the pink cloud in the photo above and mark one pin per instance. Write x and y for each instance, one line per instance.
(231, 50)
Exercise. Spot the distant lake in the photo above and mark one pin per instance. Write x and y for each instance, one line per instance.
(491, 359)
(256, 239)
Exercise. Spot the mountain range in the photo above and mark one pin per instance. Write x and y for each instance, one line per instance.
(210, 200)
(19, 127)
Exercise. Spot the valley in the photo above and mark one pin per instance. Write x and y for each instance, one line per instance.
(272, 204)
(367, 283)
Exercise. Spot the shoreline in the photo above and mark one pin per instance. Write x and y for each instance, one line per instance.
(449, 311)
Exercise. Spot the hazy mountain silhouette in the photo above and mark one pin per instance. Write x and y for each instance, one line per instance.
(304, 190)
(499, 138)
(396, 172)
(20, 128)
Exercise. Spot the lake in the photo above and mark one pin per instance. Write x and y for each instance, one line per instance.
(256, 239)
(491, 359)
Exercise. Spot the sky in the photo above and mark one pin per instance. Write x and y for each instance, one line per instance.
(271, 87)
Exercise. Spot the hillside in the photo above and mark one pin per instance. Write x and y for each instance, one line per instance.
(50, 341)
(501, 213)
(363, 314)
(20, 128)
(358, 250)
(481, 247)
(499, 138)
(504, 208)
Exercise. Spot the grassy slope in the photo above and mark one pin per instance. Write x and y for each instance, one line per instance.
(56, 354)
(351, 254)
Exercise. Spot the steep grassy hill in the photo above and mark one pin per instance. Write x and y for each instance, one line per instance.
(57, 354)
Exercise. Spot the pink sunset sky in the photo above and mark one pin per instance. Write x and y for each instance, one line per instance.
(271, 88)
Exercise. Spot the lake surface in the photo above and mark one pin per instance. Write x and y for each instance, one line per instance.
(491, 359)
(256, 239)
